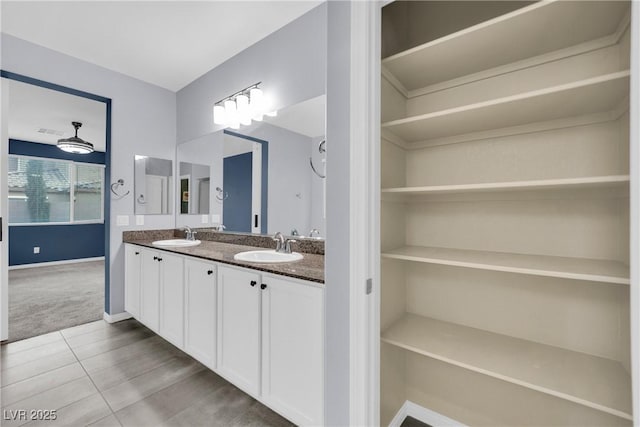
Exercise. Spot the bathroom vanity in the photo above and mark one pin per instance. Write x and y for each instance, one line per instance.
(260, 326)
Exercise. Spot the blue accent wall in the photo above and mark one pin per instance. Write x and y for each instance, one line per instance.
(56, 242)
(237, 178)
(36, 149)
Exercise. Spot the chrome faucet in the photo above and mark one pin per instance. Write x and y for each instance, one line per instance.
(279, 239)
(189, 234)
(283, 245)
(314, 233)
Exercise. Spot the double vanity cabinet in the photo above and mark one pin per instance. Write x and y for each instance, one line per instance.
(262, 332)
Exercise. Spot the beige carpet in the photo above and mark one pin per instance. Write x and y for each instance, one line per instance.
(47, 299)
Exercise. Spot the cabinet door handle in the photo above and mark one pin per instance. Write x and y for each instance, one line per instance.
(209, 272)
(159, 259)
(155, 258)
(253, 283)
(137, 253)
(263, 286)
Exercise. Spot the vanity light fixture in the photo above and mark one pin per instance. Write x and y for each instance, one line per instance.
(74, 144)
(242, 107)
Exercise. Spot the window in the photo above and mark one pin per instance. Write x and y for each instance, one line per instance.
(41, 191)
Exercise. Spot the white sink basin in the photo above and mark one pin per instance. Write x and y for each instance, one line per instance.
(267, 256)
(182, 243)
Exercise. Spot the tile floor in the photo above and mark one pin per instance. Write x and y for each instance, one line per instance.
(118, 375)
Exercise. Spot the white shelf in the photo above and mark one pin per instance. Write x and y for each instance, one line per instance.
(506, 39)
(595, 382)
(594, 95)
(536, 265)
(609, 181)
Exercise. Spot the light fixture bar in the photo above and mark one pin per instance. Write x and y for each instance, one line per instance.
(240, 92)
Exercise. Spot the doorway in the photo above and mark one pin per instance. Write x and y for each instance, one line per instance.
(245, 171)
(55, 208)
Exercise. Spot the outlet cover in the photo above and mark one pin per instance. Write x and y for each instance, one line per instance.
(205, 219)
(36, 249)
(139, 219)
(122, 220)
(215, 218)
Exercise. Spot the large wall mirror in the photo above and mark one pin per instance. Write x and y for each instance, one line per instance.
(264, 178)
(153, 185)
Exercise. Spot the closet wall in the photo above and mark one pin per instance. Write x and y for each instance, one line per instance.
(505, 212)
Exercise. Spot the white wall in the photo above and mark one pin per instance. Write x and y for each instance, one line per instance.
(290, 63)
(289, 174)
(143, 122)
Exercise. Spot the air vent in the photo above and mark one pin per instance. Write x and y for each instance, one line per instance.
(51, 131)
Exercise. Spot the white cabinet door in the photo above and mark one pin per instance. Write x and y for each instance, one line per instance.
(239, 328)
(150, 289)
(132, 265)
(200, 311)
(292, 347)
(171, 298)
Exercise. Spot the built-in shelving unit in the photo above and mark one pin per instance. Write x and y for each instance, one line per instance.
(507, 39)
(613, 181)
(594, 95)
(536, 265)
(592, 381)
(505, 185)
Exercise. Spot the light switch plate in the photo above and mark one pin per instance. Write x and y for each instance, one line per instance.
(122, 220)
(139, 219)
(205, 219)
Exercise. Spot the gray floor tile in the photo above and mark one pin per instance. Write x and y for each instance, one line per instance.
(88, 350)
(40, 383)
(81, 413)
(13, 359)
(54, 398)
(102, 334)
(138, 388)
(217, 409)
(121, 354)
(110, 421)
(36, 367)
(259, 415)
(85, 328)
(131, 368)
(30, 343)
(169, 401)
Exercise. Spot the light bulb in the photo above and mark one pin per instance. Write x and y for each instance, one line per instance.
(256, 100)
(244, 112)
(219, 115)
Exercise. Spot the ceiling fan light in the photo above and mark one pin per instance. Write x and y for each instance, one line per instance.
(74, 144)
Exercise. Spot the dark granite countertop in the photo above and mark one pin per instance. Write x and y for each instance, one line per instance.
(310, 268)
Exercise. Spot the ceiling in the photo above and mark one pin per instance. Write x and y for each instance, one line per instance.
(33, 109)
(166, 43)
(306, 118)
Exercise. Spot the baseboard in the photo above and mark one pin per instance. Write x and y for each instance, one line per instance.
(113, 318)
(51, 263)
(420, 413)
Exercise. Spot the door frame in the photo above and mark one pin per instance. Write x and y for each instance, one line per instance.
(4, 260)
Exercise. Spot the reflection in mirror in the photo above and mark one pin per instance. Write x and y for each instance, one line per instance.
(153, 186)
(194, 188)
(262, 180)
